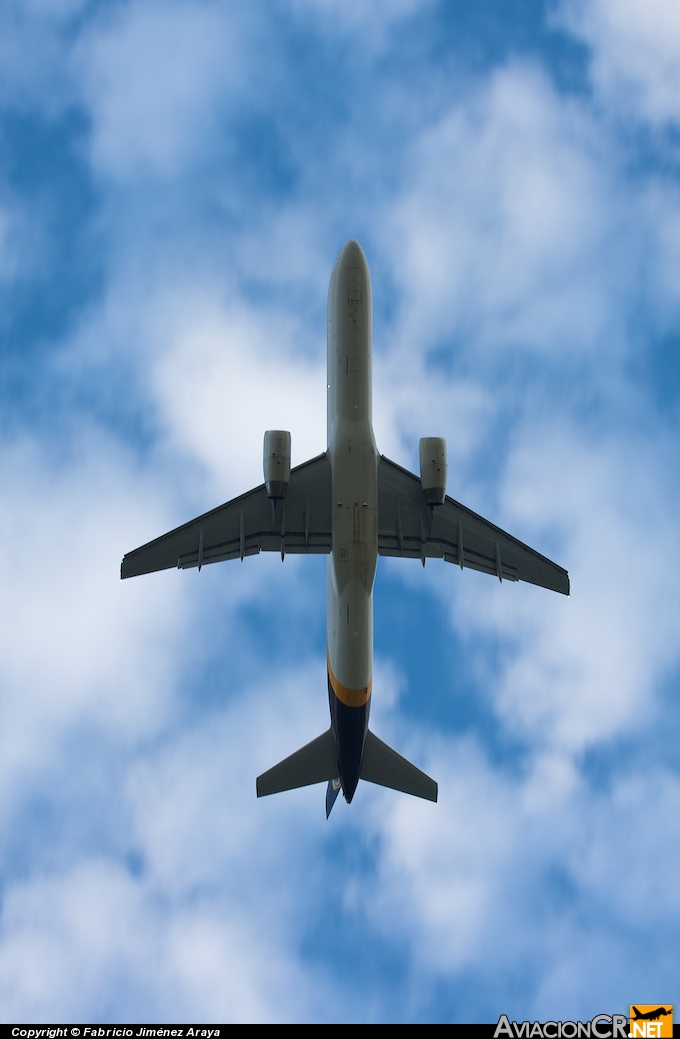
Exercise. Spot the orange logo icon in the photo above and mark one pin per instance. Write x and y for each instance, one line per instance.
(651, 1020)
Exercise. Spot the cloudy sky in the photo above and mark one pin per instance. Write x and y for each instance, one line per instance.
(176, 179)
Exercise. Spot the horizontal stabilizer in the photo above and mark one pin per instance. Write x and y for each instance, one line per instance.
(316, 762)
(384, 766)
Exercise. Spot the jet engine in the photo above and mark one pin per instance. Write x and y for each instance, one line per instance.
(433, 469)
(276, 459)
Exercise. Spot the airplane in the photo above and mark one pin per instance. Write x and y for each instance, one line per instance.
(353, 504)
(652, 1015)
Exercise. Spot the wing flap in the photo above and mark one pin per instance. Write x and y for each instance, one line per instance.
(408, 528)
(301, 523)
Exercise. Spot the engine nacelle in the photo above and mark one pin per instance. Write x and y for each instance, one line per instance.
(433, 469)
(276, 460)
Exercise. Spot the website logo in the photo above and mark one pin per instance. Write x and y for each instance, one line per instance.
(651, 1021)
(602, 1026)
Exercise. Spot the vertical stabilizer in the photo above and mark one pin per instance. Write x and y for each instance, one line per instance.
(332, 791)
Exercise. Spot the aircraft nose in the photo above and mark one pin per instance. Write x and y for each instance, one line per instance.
(350, 272)
(352, 254)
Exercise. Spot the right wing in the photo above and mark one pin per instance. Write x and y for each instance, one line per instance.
(301, 522)
(409, 528)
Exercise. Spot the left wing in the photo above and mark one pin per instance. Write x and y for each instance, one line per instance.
(301, 522)
(408, 527)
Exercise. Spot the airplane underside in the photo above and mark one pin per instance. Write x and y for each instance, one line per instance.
(342, 755)
(351, 504)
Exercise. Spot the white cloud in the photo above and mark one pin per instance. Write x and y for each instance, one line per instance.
(226, 377)
(502, 235)
(67, 938)
(635, 62)
(78, 648)
(196, 929)
(544, 889)
(367, 25)
(587, 670)
(153, 76)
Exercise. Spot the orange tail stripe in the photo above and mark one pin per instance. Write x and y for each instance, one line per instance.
(350, 697)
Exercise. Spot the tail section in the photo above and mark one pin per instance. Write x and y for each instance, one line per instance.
(314, 763)
(384, 766)
(317, 762)
(332, 791)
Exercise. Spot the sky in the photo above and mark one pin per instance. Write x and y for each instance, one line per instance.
(176, 180)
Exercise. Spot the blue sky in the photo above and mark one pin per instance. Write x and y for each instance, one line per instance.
(176, 180)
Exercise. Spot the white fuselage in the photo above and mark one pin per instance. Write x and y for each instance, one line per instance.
(354, 462)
